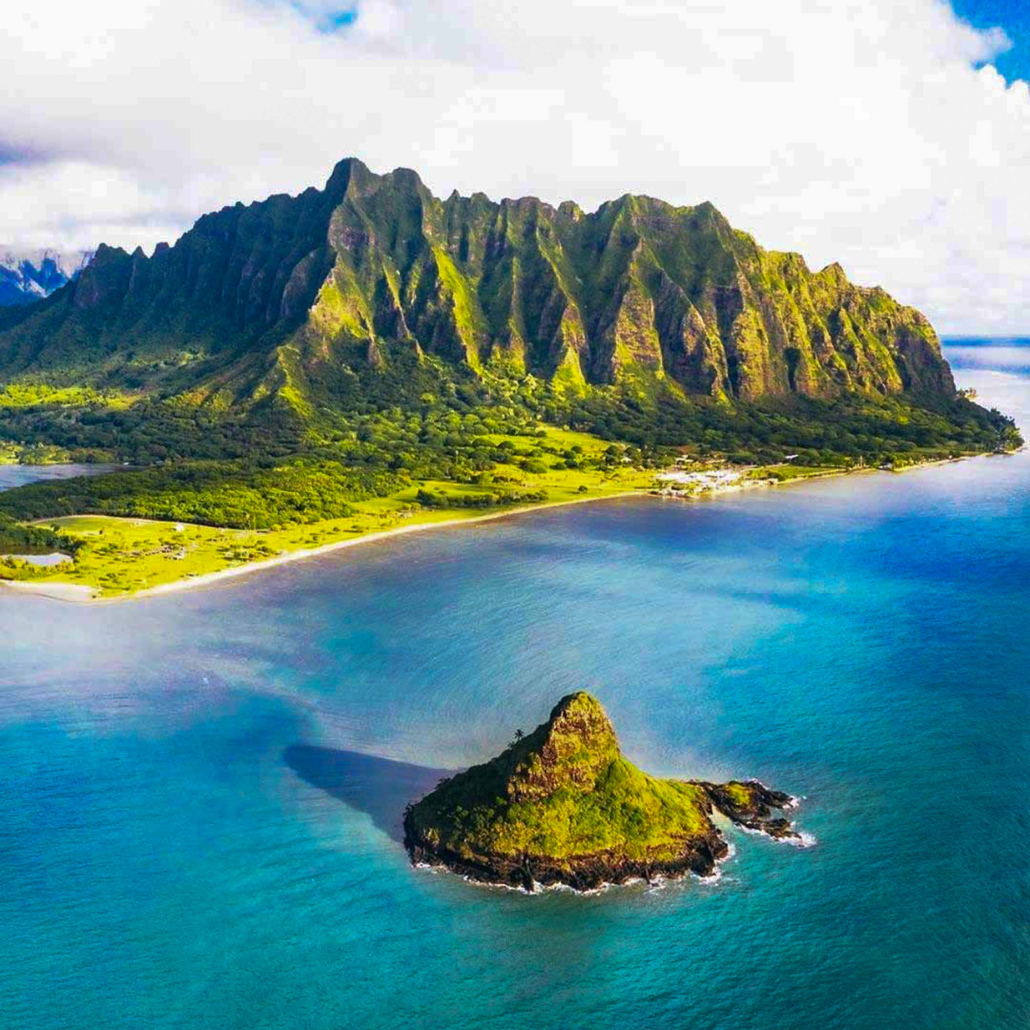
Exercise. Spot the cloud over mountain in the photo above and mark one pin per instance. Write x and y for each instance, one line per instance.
(874, 133)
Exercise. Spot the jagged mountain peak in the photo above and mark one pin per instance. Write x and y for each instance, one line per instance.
(571, 749)
(637, 292)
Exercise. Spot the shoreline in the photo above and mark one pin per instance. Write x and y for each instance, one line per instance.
(77, 593)
(53, 590)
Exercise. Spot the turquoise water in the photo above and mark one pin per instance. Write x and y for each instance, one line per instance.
(187, 838)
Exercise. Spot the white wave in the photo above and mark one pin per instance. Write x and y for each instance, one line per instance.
(802, 840)
(712, 878)
(716, 874)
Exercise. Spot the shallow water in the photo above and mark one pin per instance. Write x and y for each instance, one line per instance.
(18, 475)
(43, 560)
(199, 793)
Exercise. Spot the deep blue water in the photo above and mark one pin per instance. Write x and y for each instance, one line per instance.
(187, 840)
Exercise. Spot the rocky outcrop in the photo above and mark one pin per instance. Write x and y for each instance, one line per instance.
(698, 857)
(563, 806)
(752, 805)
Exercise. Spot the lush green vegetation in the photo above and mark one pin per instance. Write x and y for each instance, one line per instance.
(129, 552)
(846, 432)
(564, 792)
(483, 499)
(149, 431)
(16, 538)
(241, 495)
(445, 460)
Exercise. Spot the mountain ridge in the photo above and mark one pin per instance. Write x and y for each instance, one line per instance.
(300, 322)
(638, 290)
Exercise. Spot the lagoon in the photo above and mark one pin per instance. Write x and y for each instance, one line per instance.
(18, 475)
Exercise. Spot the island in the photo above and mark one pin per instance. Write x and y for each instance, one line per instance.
(562, 805)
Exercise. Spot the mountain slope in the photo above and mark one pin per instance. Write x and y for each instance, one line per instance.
(638, 291)
(297, 321)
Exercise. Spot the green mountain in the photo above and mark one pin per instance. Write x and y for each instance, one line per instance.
(299, 323)
(286, 296)
(562, 805)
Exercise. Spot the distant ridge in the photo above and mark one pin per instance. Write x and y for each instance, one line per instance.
(29, 276)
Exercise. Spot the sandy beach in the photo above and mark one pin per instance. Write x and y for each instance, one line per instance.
(76, 592)
(80, 594)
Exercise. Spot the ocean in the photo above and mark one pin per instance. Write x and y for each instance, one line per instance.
(200, 793)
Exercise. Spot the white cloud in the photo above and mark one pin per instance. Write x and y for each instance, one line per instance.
(855, 131)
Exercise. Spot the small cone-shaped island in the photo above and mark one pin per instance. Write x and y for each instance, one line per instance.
(563, 806)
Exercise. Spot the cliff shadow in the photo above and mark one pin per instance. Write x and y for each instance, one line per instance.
(380, 787)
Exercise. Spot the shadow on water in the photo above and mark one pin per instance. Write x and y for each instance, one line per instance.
(380, 787)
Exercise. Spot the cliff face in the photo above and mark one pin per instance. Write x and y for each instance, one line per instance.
(291, 290)
(562, 805)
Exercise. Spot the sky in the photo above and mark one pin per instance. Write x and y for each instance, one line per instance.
(1014, 16)
(890, 135)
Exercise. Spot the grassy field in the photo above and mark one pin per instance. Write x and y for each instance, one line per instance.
(124, 555)
(787, 473)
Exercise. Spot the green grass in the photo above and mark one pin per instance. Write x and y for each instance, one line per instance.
(739, 793)
(124, 555)
(553, 437)
(29, 394)
(627, 813)
(788, 473)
